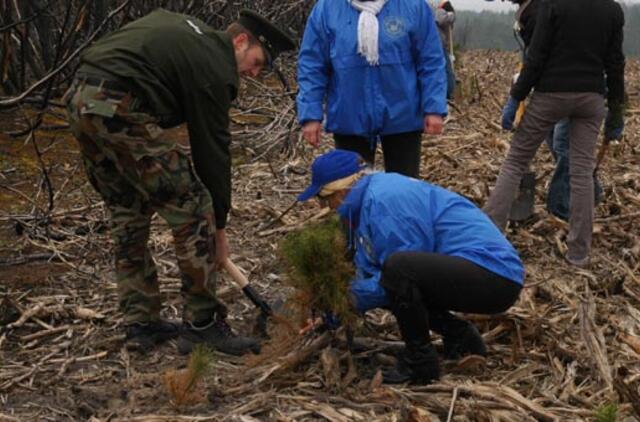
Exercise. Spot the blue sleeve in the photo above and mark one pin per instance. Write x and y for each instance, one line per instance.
(430, 63)
(389, 233)
(313, 67)
(367, 293)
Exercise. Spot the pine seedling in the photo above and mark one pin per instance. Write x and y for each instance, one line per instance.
(317, 265)
(607, 413)
(182, 383)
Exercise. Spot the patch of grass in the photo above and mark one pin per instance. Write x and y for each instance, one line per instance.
(182, 384)
(607, 413)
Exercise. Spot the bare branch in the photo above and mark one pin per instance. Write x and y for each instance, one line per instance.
(15, 100)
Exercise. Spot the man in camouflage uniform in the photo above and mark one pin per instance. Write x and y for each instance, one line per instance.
(154, 73)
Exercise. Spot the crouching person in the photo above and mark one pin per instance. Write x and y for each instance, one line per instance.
(421, 251)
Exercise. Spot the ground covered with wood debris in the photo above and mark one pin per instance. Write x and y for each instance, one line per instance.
(568, 351)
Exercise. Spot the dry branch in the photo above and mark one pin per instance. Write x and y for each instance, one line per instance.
(17, 99)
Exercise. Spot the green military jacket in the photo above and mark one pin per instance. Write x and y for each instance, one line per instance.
(184, 71)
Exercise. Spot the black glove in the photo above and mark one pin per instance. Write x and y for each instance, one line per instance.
(614, 123)
(448, 6)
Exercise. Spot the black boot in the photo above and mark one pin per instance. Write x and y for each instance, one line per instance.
(217, 334)
(143, 336)
(416, 364)
(460, 337)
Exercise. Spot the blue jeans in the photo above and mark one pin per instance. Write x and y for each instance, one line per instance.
(451, 77)
(559, 188)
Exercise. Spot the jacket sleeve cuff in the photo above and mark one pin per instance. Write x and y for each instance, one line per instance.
(367, 294)
(436, 107)
(309, 112)
(221, 217)
(517, 93)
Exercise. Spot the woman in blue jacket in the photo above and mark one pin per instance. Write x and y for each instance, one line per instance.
(376, 70)
(420, 251)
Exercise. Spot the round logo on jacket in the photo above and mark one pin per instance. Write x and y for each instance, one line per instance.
(394, 26)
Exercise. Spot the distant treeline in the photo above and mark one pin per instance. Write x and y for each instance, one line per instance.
(493, 30)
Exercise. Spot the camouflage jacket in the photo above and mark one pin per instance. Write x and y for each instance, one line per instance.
(183, 71)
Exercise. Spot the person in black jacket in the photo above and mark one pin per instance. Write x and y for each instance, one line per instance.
(575, 43)
(558, 194)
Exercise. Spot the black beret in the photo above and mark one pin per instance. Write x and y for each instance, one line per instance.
(274, 40)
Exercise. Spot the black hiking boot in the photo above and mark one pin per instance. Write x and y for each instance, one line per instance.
(462, 341)
(219, 336)
(416, 365)
(143, 336)
(460, 337)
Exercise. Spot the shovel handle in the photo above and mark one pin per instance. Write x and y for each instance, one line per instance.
(247, 289)
(236, 274)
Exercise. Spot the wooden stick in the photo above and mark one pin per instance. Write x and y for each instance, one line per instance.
(453, 403)
(45, 333)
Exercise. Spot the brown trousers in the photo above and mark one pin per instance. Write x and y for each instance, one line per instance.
(586, 111)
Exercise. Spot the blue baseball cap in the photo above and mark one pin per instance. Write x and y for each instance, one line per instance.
(329, 167)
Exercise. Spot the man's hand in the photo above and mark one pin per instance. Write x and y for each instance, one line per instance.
(433, 124)
(311, 132)
(222, 249)
(614, 123)
(509, 113)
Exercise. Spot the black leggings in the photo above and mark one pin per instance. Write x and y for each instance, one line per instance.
(426, 286)
(401, 151)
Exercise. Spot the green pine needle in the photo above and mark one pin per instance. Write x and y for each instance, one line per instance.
(316, 257)
(200, 362)
(607, 413)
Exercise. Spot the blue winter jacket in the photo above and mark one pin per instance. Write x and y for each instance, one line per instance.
(392, 97)
(389, 212)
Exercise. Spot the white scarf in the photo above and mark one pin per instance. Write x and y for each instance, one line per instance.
(368, 28)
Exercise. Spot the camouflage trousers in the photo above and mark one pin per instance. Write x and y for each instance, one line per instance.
(138, 170)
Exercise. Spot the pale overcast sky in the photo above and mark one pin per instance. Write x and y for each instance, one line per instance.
(495, 5)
